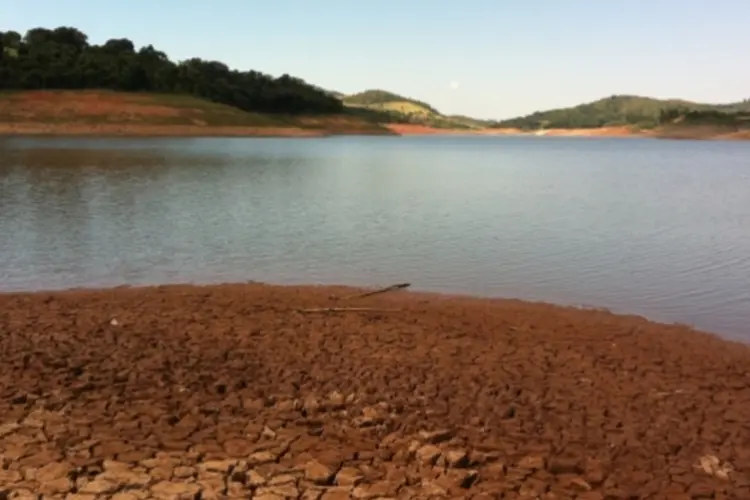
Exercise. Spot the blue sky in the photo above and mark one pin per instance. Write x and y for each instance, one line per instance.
(485, 58)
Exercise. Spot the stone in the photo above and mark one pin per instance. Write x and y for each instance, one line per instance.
(336, 493)
(223, 466)
(436, 437)
(531, 462)
(377, 490)
(168, 490)
(183, 472)
(8, 428)
(349, 476)
(428, 454)
(8, 477)
(238, 447)
(282, 479)
(99, 486)
(261, 457)
(288, 490)
(56, 486)
(432, 489)
(456, 459)
(254, 479)
(370, 417)
(318, 473)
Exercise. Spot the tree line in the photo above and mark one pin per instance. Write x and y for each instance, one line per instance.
(63, 59)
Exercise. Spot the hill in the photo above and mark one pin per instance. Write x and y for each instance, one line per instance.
(51, 77)
(388, 107)
(618, 110)
(382, 99)
(63, 59)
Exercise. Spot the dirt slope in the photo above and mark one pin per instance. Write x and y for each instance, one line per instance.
(116, 113)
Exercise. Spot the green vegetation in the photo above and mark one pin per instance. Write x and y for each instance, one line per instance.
(382, 98)
(624, 110)
(63, 59)
(387, 107)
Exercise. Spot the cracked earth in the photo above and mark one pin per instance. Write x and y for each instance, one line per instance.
(233, 391)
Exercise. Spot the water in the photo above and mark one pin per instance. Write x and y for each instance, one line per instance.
(659, 228)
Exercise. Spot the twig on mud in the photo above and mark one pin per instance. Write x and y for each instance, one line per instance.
(391, 288)
(344, 309)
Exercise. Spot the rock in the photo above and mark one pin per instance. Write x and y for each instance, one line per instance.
(52, 471)
(436, 437)
(223, 466)
(428, 454)
(564, 465)
(238, 447)
(370, 417)
(168, 490)
(8, 477)
(531, 462)
(335, 401)
(282, 479)
(8, 428)
(254, 479)
(125, 478)
(114, 465)
(376, 490)
(432, 489)
(456, 459)
(261, 457)
(318, 473)
(461, 478)
(336, 493)
(288, 490)
(183, 472)
(268, 433)
(267, 496)
(99, 486)
(56, 486)
(349, 476)
(580, 484)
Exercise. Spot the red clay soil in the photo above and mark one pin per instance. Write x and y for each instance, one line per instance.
(234, 391)
(143, 130)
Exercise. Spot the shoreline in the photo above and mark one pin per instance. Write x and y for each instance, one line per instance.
(127, 130)
(687, 133)
(240, 389)
(31, 129)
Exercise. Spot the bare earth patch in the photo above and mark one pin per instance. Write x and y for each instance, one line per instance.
(117, 113)
(241, 391)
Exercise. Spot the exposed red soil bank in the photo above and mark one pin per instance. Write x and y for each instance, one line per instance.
(232, 391)
(143, 130)
(133, 114)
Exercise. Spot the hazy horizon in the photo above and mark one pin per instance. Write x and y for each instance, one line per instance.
(479, 58)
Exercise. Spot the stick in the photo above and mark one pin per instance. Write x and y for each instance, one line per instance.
(344, 309)
(397, 286)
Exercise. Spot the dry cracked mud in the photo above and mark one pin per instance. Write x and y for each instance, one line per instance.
(230, 391)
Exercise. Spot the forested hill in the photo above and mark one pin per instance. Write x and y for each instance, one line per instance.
(618, 110)
(63, 58)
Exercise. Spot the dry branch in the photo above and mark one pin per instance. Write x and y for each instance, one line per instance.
(391, 288)
(344, 309)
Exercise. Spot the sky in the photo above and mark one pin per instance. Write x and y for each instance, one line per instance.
(483, 58)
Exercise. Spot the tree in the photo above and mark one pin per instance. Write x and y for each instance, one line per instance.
(63, 58)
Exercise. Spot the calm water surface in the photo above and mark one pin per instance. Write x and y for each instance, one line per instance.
(658, 228)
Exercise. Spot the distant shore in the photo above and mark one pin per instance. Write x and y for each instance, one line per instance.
(689, 132)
